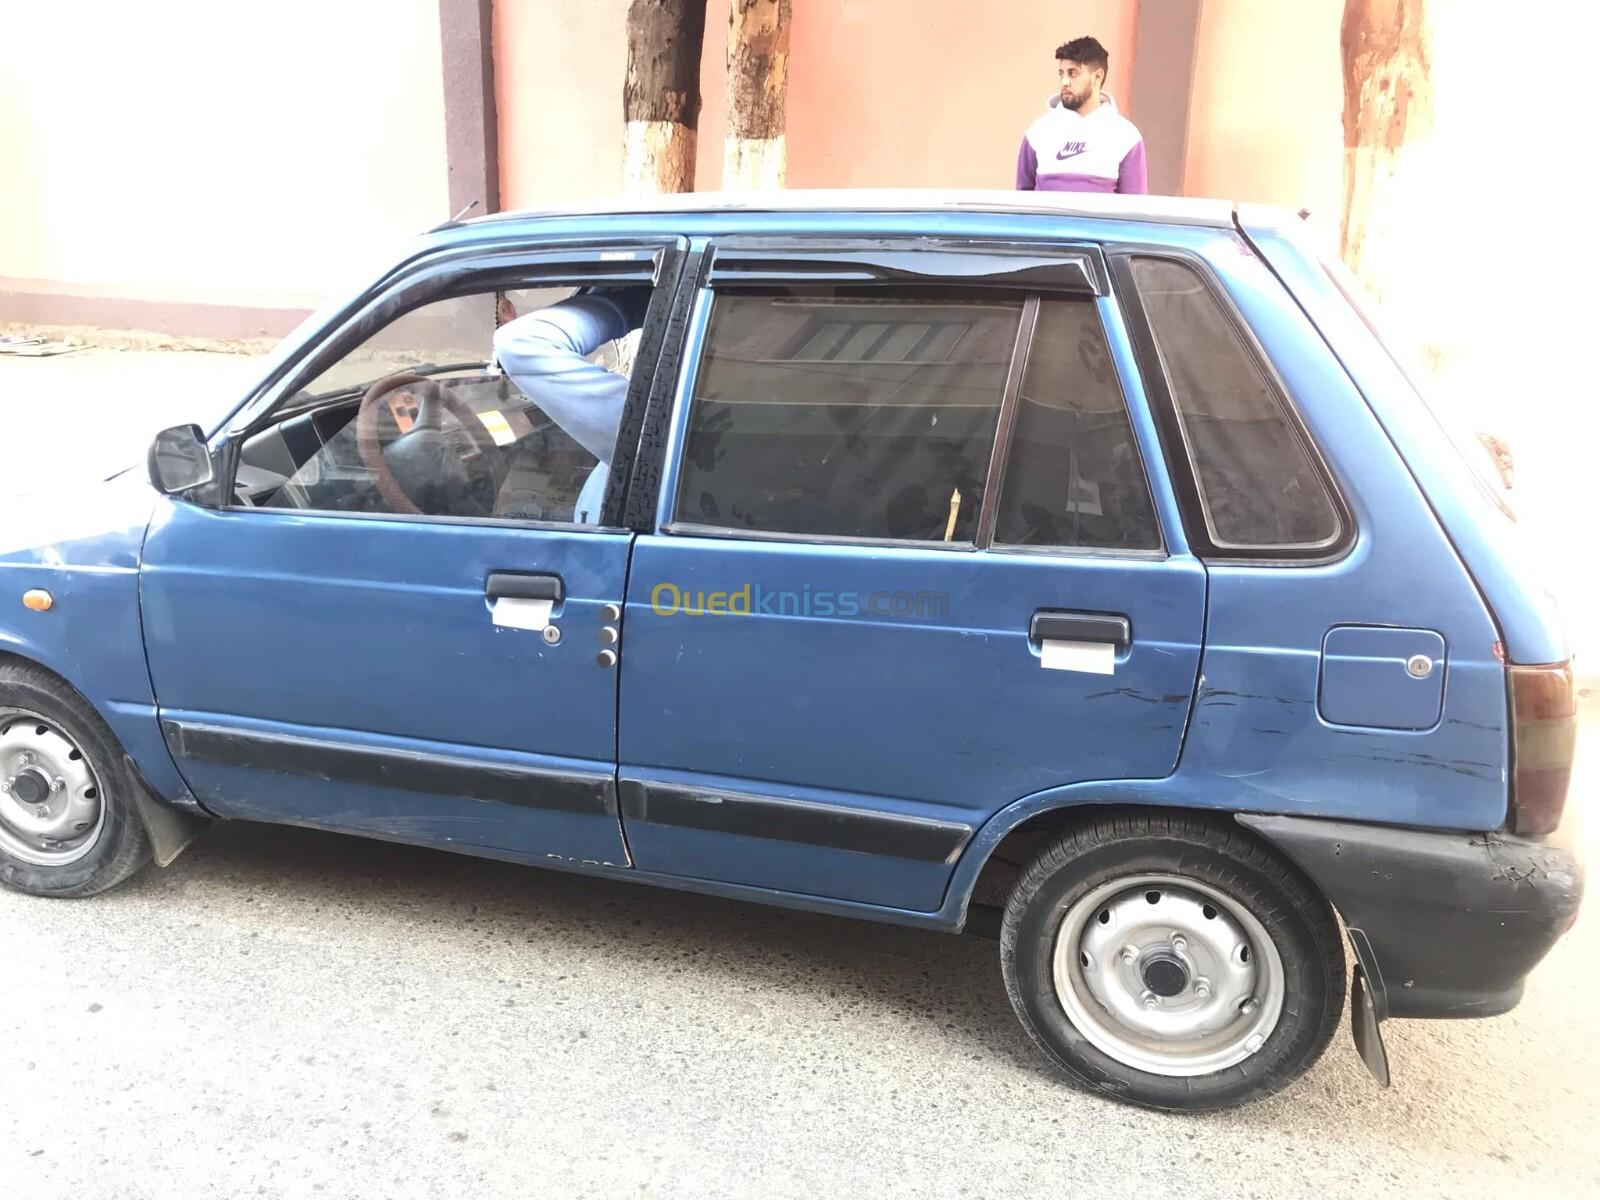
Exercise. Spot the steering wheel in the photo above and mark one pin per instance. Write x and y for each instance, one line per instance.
(439, 469)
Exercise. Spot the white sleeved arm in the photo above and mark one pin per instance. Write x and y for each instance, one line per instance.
(546, 355)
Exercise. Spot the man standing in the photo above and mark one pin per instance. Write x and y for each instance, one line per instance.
(1082, 143)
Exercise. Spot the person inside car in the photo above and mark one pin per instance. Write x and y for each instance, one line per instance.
(546, 353)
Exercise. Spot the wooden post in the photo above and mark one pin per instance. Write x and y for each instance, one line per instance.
(755, 155)
(1388, 102)
(661, 94)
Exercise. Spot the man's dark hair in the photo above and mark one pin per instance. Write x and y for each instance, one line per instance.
(1085, 50)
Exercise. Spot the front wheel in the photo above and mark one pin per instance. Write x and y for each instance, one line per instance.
(1172, 961)
(67, 820)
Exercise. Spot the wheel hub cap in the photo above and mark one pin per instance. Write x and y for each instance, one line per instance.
(51, 812)
(1168, 975)
(1164, 973)
(30, 787)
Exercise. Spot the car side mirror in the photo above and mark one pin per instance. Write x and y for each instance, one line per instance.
(180, 460)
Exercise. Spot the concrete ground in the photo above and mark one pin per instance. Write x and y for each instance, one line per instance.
(287, 1013)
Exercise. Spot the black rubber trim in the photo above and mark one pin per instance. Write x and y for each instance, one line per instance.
(509, 585)
(1445, 924)
(406, 770)
(649, 463)
(657, 353)
(971, 262)
(1080, 627)
(743, 815)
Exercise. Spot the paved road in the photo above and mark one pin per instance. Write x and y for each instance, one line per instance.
(94, 411)
(286, 1013)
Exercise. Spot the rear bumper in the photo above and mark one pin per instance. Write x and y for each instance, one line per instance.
(1445, 924)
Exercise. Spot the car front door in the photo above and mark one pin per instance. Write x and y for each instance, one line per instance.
(909, 568)
(325, 654)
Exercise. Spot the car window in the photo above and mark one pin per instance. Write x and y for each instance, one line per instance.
(432, 335)
(847, 413)
(1073, 474)
(1259, 487)
(426, 418)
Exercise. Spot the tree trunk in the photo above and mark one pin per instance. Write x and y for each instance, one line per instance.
(755, 155)
(661, 94)
(1388, 103)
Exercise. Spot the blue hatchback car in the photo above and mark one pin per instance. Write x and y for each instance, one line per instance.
(1080, 570)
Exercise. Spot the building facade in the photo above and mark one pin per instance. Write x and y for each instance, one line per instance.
(192, 168)
(182, 175)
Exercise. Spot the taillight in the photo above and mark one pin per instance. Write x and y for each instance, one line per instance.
(1544, 732)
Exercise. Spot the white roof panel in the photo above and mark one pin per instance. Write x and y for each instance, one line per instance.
(1162, 209)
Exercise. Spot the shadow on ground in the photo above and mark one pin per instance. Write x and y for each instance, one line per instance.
(953, 981)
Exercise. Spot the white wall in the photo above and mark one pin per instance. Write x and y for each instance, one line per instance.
(212, 151)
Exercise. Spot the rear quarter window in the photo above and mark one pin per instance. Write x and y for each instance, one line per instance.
(1259, 487)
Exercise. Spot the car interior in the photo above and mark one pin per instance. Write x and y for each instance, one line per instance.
(415, 426)
(826, 411)
(859, 414)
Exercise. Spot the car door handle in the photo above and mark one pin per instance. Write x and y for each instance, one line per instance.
(509, 585)
(1051, 625)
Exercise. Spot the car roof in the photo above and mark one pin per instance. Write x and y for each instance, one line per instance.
(1168, 210)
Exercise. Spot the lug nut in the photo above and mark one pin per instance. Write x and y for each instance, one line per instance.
(1130, 955)
(1179, 942)
(57, 785)
(1202, 988)
(25, 758)
(1150, 1000)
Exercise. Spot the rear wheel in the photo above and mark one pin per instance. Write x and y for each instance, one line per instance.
(67, 821)
(1172, 961)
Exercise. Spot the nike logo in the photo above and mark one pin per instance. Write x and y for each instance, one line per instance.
(1071, 150)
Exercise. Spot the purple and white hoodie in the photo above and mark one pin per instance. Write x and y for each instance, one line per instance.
(1065, 152)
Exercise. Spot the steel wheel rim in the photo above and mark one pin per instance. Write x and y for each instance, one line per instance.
(52, 807)
(1187, 983)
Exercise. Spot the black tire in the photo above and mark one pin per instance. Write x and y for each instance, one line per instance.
(122, 846)
(1216, 854)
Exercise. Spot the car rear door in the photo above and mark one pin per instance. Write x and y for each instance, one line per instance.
(909, 567)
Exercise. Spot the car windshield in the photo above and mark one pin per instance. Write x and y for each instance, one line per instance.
(1487, 456)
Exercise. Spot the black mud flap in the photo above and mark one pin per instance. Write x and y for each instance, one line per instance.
(1364, 1027)
(170, 831)
(984, 920)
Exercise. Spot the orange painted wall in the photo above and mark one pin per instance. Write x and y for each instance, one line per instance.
(1265, 111)
(558, 67)
(916, 93)
(882, 93)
